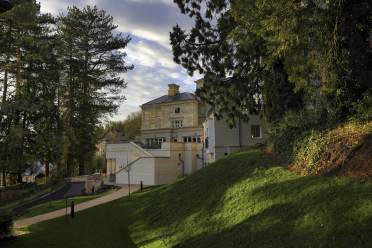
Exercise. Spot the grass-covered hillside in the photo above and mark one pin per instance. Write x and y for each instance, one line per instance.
(243, 200)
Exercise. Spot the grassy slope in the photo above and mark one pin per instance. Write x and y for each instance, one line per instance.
(244, 200)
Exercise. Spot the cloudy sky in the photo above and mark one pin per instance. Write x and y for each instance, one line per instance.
(148, 22)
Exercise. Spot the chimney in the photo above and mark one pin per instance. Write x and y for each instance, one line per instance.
(173, 89)
(199, 83)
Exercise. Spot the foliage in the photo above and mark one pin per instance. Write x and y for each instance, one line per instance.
(130, 127)
(308, 57)
(363, 108)
(243, 200)
(28, 73)
(59, 78)
(314, 149)
(98, 163)
(93, 60)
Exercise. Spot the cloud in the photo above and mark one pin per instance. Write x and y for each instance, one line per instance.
(148, 22)
(148, 19)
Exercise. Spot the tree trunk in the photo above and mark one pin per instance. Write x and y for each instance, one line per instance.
(19, 177)
(4, 178)
(69, 169)
(81, 166)
(46, 169)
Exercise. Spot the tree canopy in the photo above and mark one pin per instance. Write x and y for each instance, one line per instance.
(59, 77)
(310, 59)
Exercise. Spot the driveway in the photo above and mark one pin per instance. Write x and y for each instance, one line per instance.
(82, 206)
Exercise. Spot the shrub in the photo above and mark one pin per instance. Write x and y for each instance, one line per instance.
(6, 223)
(363, 108)
(291, 128)
(320, 152)
(308, 149)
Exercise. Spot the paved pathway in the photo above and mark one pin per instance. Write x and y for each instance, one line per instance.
(85, 205)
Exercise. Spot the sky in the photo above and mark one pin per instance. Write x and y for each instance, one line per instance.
(148, 22)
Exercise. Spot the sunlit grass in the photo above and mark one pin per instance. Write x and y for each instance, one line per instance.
(243, 200)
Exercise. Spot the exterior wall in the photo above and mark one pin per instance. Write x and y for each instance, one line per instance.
(91, 181)
(154, 166)
(192, 162)
(124, 153)
(171, 134)
(209, 134)
(166, 171)
(160, 116)
(223, 140)
(247, 139)
(142, 170)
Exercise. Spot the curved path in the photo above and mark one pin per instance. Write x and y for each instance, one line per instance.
(79, 207)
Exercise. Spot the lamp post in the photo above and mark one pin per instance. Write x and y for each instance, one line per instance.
(127, 169)
(5, 5)
(182, 164)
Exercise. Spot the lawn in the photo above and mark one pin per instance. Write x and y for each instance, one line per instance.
(27, 199)
(58, 204)
(243, 200)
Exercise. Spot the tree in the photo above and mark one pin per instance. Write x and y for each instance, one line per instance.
(93, 61)
(238, 44)
(130, 127)
(23, 28)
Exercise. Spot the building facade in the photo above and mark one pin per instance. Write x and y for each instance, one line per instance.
(170, 142)
(179, 135)
(175, 117)
(220, 139)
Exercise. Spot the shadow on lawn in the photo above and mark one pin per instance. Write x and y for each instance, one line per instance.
(300, 211)
(102, 226)
(319, 212)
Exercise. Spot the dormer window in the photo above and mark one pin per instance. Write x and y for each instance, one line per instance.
(177, 110)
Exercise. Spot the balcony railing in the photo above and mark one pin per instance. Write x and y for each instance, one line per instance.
(151, 146)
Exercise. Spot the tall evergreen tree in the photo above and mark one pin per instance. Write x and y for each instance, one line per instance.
(93, 60)
(21, 25)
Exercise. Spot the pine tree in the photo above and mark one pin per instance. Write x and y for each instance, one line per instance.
(28, 106)
(93, 61)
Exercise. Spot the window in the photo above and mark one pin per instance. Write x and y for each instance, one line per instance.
(177, 123)
(177, 110)
(189, 139)
(256, 131)
(154, 142)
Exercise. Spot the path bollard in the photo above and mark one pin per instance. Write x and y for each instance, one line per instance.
(141, 186)
(72, 209)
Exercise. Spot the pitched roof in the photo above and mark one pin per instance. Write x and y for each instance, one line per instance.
(185, 96)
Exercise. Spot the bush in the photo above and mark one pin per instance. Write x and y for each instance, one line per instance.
(363, 108)
(320, 152)
(6, 223)
(308, 149)
(292, 127)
